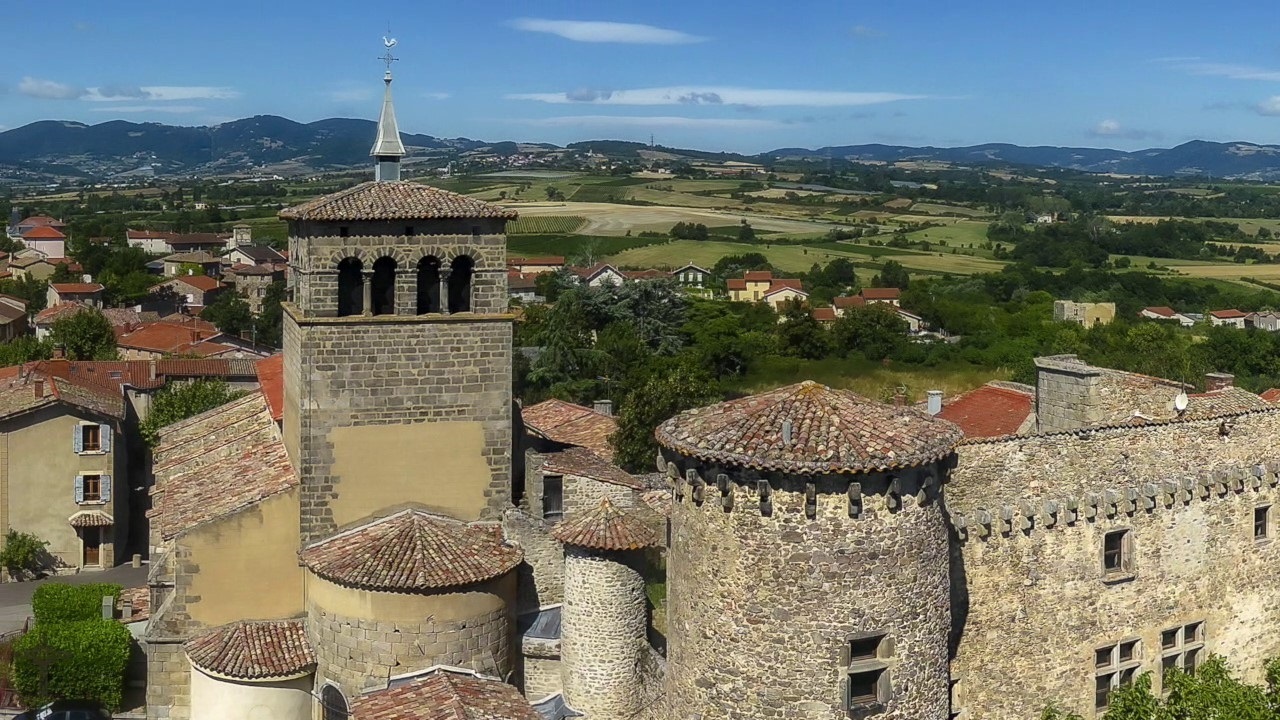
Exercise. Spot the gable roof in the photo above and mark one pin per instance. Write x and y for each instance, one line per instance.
(757, 275)
(400, 200)
(76, 288)
(260, 253)
(891, 293)
(569, 424)
(411, 550)
(195, 256)
(991, 410)
(253, 650)
(18, 393)
(165, 337)
(203, 283)
(57, 311)
(444, 695)
(38, 220)
(1162, 311)
(1231, 314)
(586, 463)
(780, 284)
(736, 284)
(218, 463)
(845, 302)
(43, 232)
(691, 266)
(824, 314)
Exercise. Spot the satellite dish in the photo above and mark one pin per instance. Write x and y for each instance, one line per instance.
(1180, 402)
(389, 42)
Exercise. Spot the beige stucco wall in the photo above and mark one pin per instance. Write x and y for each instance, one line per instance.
(399, 607)
(38, 481)
(440, 465)
(217, 699)
(248, 564)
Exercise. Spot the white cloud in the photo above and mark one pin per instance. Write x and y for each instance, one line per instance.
(717, 96)
(1113, 129)
(177, 109)
(48, 89)
(162, 93)
(1226, 70)
(627, 121)
(606, 32)
(437, 95)
(1269, 107)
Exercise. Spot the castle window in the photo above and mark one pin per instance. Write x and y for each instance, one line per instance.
(552, 498)
(460, 284)
(1262, 522)
(1114, 667)
(350, 287)
(333, 704)
(1117, 553)
(1182, 648)
(867, 660)
(384, 286)
(428, 285)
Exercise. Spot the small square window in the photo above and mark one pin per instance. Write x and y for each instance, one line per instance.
(1102, 657)
(864, 687)
(864, 648)
(1261, 522)
(1191, 633)
(1115, 552)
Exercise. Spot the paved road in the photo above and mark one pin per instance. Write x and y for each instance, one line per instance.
(15, 598)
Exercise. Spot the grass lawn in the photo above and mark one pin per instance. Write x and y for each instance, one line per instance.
(938, 209)
(787, 258)
(961, 233)
(865, 378)
(571, 245)
(946, 263)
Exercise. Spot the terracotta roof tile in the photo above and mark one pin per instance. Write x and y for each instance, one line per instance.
(847, 301)
(736, 284)
(570, 424)
(1272, 395)
(76, 288)
(198, 257)
(548, 261)
(824, 314)
(1161, 311)
(1227, 401)
(445, 695)
(17, 393)
(39, 220)
(605, 527)
(58, 311)
(218, 463)
(833, 431)
(411, 550)
(881, 293)
(585, 463)
(139, 599)
(758, 276)
(91, 518)
(165, 336)
(253, 650)
(271, 382)
(1227, 314)
(203, 283)
(990, 411)
(394, 201)
(43, 232)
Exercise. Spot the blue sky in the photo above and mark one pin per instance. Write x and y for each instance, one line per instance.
(747, 76)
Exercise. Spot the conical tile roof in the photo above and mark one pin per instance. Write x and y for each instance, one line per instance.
(831, 431)
(605, 527)
(398, 200)
(411, 550)
(253, 650)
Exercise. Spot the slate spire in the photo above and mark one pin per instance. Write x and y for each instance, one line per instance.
(387, 148)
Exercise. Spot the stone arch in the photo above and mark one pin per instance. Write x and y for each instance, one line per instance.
(461, 270)
(383, 286)
(350, 287)
(428, 284)
(333, 704)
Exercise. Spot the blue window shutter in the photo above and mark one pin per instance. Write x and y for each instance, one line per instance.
(105, 481)
(77, 439)
(104, 437)
(79, 489)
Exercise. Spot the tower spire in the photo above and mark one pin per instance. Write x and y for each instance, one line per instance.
(387, 148)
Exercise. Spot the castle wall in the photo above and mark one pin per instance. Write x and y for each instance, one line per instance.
(168, 682)
(1033, 600)
(764, 601)
(362, 637)
(603, 641)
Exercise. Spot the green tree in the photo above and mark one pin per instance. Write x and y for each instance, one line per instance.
(671, 387)
(24, 555)
(180, 401)
(86, 335)
(800, 335)
(270, 322)
(875, 331)
(893, 274)
(746, 233)
(230, 313)
(566, 342)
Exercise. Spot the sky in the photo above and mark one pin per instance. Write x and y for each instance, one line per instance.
(746, 76)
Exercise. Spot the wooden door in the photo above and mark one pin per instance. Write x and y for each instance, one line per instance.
(92, 545)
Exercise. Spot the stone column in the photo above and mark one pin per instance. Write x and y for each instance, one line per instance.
(366, 287)
(444, 288)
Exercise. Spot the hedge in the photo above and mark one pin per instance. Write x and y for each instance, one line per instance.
(90, 661)
(60, 602)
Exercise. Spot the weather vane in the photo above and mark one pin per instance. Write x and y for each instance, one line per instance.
(388, 42)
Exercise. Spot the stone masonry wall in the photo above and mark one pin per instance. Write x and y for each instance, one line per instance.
(1032, 601)
(363, 653)
(602, 636)
(168, 682)
(541, 677)
(763, 600)
(372, 372)
(541, 573)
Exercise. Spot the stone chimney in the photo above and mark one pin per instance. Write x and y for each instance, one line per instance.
(604, 407)
(1068, 393)
(59, 352)
(934, 405)
(1218, 381)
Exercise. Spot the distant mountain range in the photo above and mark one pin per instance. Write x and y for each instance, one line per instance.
(53, 149)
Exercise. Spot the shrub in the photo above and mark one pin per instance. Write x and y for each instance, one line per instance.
(60, 602)
(89, 657)
(24, 554)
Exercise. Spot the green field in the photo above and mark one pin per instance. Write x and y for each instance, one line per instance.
(546, 225)
(938, 209)
(960, 234)
(572, 246)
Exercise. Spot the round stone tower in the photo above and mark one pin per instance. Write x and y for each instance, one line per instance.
(604, 616)
(808, 568)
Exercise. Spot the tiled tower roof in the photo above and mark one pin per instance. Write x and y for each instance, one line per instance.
(399, 200)
(831, 431)
(253, 650)
(411, 550)
(605, 527)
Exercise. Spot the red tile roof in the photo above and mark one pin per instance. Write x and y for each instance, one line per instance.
(881, 293)
(203, 283)
(17, 393)
(989, 411)
(848, 301)
(606, 527)
(1271, 396)
(548, 261)
(585, 463)
(445, 695)
(757, 276)
(216, 464)
(411, 550)
(1162, 311)
(57, 311)
(1231, 314)
(780, 284)
(149, 235)
(139, 599)
(394, 201)
(41, 220)
(76, 288)
(736, 284)
(569, 424)
(645, 274)
(43, 232)
(832, 431)
(166, 337)
(271, 382)
(253, 650)
(824, 314)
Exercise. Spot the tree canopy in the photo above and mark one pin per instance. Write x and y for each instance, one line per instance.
(85, 335)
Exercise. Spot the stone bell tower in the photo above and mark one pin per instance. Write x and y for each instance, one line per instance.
(397, 349)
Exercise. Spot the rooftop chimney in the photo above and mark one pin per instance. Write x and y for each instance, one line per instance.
(786, 433)
(604, 407)
(39, 388)
(1218, 381)
(59, 352)
(934, 405)
(151, 369)
(900, 397)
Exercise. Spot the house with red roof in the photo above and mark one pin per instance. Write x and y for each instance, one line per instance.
(753, 286)
(783, 291)
(189, 293)
(89, 294)
(158, 242)
(891, 295)
(1227, 318)
(46, 240)
(824, 315)
(599, 275)
(33, 222)
(1161, 312)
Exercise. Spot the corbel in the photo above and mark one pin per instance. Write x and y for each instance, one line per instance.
(855, 500)
(811, 499)
(1027, 515)
(699, 485)
(1072, 512)
(1006, 519)
(1091, 503)
(766, 496)
(1050, 513)
(984, 520)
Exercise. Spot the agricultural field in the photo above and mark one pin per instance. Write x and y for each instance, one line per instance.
(616, 219)
(938, 209)
(1248, 225)
(546, 225)
(960, 233)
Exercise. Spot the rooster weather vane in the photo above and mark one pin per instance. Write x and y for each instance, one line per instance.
(388, 58)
